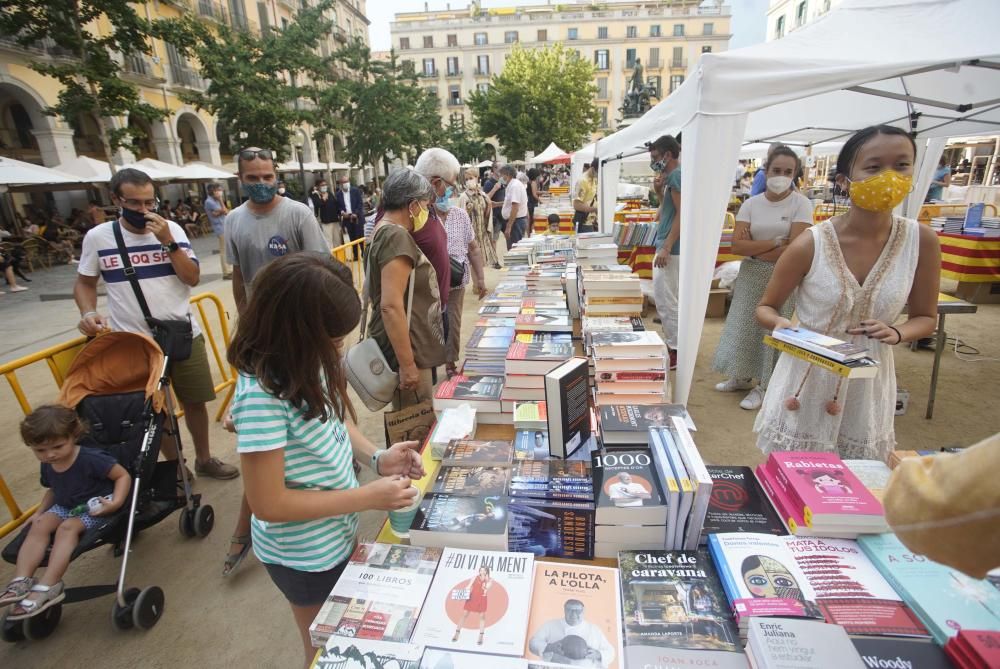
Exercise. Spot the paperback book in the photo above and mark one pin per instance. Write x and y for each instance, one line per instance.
(820, 344)
(575, 616)
(531, 445)
(471, 481)
(477, 601)
(738, 504)
(475, 452)
(342, 652)
(481, 393)
(455, 520)
(537, 358)
(900, 653)
(552, 479)
(628, 424)
(627, 489)
(800, 644)
(551, 528)
(568, 407)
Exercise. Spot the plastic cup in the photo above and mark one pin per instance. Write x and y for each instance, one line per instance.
(401, 519)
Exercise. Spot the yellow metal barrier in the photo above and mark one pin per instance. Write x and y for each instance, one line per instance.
(350, 255)
(59, 357)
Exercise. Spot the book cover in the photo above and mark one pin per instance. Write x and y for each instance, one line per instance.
(344, 653)
(548, 351)
(944, 599)
(476, 481)
(531, 415)
(483, 391)
(874, 474)
(474, 452)
(761, 577)
(701, 482)
(673, 599)
(983, 645)
(850, 591)
(567, 399)
(826, 489)
(627, 489)
(676, 526)
(552, 479)
(613, 343)
(440, 658)
(455, 520)
(738, 504)
(575, 616)
(551, 528)
(531, 445)
(379, 594)
(829, 347)
(537, 322)
(860, 368)
(899, 653)
(477, 601)
(635, 418)
(669, 483)
(800, 644)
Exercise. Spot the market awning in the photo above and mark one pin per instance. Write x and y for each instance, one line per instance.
(18, 173)
(89, 170)
(551, 154)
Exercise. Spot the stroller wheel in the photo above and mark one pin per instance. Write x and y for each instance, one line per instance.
(185, 523)
(44, 624)
(148, 607)
(204, 520)
(121, 616)
(11, 631)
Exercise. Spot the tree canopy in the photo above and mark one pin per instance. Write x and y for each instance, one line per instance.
(541, 96)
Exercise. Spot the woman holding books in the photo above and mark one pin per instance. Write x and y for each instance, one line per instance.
(765, 226)
(296, 433)
(853, 275)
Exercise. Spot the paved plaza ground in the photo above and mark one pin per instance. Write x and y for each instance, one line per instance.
(243, 621)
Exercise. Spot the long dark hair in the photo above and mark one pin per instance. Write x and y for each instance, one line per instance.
(299, 304)
(848, 152)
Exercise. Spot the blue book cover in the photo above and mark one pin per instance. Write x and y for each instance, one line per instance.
(551, 528)
(945, 600)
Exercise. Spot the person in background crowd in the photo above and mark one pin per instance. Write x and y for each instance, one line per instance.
(53, 234)
(759, 184)
(441, 169)
(216, 210)
(940, 181)
(534, 195)
(585, 200)
(665, 154)
(297, 435)
(741, 170)
(496, 192)
(852, 274)
(167, 211)
(185, 215)
(394, 256)
(9, 264)
(258, 232)
(350, 208)
(765, 225)
(463, 248)
(325, 208)
(554, 224)
(282, 189)
(366, 199)
(96, 213)
(477, 205)
(515, 206)
(166, 279)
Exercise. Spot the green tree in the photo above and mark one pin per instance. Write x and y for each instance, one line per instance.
(261, 86)
(89, 64)
(542, 95)
(463, 140)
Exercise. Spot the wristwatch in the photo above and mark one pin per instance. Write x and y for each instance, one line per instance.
(171, 247)
(375, 456)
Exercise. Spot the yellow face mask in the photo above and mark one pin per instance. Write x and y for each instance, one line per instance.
(420, 220)
(882, 191)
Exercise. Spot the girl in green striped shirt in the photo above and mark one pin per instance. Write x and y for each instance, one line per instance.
(296, 431)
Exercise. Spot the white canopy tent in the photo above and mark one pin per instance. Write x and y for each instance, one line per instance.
(929, 66)
(17, 173)
(551, 152)
(90, 170)
(195, 171)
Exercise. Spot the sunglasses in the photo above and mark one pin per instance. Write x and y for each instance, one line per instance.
(250, 154)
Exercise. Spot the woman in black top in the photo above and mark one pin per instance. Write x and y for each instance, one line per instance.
(533, 195)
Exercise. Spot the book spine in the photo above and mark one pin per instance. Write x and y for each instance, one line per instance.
(787, 486)
(809, 356)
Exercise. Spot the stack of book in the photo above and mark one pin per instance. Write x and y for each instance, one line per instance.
(945, 600)
(900, 652)
(481, 393)
(590, 325)
(974, 649)
(378, 596)
(486, 350)
(529, 359)
(552, 508)
(632, 507)
(629, 234)
(800, 644)
(761, 578)
(684, 478)
(840, 357)
(593, 252)
(610, 294)
(466, 504)
(738, 504)
(627, 425)
(521, 253)
(619, 357)
(816, 494)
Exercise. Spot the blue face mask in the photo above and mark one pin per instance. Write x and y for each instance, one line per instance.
(136, 219)
(657, 165)
(443, 203)
(260, 193)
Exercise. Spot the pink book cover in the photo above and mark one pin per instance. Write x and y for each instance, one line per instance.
(824, 485)
(984, 644)
(782, 504)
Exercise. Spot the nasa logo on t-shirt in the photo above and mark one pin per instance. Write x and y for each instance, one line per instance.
(277, 245)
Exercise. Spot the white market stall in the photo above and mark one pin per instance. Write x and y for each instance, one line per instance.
(95, 171)
(929, 66)
(551, 154)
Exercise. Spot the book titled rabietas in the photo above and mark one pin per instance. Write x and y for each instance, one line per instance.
(567, 394)
(575, 616)
(477, 602)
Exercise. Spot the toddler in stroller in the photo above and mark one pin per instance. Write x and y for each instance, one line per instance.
(74, 476)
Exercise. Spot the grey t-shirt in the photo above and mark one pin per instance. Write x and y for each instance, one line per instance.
(254, 240)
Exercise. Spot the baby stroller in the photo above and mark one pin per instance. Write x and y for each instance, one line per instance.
(118, 384)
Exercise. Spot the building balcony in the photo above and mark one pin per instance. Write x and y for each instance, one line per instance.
(139, 65)
(45, 46)
(429, 75)
(455, 102)
(241, 23)
(556, 16)
(678, 64)
(454, 74)
(215, 11)
(654, 65)
(187, 77)
(481, 73)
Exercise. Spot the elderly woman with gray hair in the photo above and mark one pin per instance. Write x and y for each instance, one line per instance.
(407, 328)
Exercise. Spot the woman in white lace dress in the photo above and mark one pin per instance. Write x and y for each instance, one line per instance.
(852, 275)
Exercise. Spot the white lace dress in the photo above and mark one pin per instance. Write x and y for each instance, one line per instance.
(829, 300)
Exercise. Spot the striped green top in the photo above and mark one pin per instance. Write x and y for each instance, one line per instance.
(318, 456)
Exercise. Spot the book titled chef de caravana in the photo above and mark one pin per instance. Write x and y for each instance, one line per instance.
(477, 602)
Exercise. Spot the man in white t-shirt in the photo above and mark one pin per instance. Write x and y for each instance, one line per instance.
(550, 641)
(626, 492)
(167, 268)
(515, 205)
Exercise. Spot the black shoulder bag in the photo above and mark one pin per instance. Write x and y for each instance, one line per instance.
(174, 337)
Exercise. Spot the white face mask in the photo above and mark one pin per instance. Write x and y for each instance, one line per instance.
(281, 191)
(778, 185)
(471, 183)
(345, 187)
(322, 189)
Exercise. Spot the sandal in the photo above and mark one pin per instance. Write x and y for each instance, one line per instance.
(16, 590)
(234, 560)
(28, 608)
(451, 370)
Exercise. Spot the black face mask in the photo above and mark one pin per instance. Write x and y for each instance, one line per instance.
(136, 219)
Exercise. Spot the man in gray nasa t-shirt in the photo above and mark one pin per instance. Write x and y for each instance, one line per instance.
(265, 227)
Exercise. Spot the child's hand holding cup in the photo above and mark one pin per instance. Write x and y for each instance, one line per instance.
(401, 519)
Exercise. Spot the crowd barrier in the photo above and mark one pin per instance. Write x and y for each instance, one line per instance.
(351, 255)
(58, 358)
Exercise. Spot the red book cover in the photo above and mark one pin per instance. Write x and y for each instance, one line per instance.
(825, 486)
(983, 644)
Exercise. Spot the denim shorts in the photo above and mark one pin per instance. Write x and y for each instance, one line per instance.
(89, 522)
(304, 588)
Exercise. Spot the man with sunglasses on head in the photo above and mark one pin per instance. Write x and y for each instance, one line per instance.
(167, 268)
